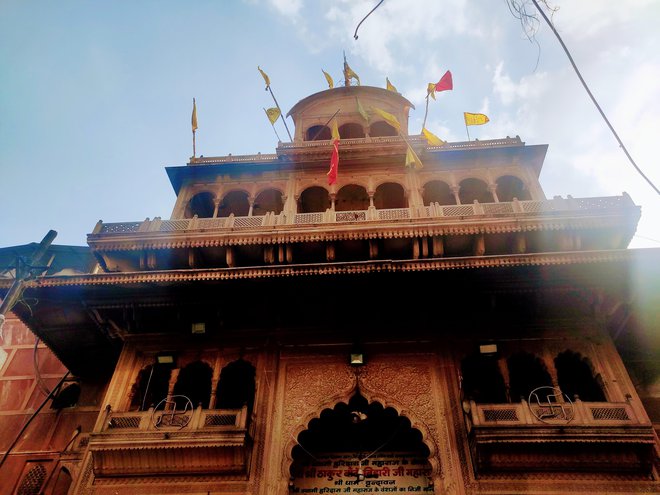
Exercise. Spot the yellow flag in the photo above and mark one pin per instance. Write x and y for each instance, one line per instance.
(475, 118)
(273, 114)
(348, 73)
(413, 159)
(361, 110)
(265, 76)
(389, 118)
(432, 139)
(193, 119)
(335, 130)
(390, 86)
(430, 90)
(331, 83)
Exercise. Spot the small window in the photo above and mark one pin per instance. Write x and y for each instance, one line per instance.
(236, 386)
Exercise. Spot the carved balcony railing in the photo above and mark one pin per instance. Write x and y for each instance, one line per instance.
(513, 209)
(191, 442)
(559, 436)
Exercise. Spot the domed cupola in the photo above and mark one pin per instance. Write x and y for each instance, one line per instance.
(353, 107)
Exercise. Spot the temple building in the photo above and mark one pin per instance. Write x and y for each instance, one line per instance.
(435, 325)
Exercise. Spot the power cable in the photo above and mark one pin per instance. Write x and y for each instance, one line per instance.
(593, 99)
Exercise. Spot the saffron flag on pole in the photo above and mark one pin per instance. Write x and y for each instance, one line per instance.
(265, 76)
(334, 159)
(432, 139)
(331, 83)
(412, 159)
(193, 119)
(430, 90)
(475, 118)
(273, 114)
(389, 118)
(390, 86)
(361, 110)
(348, 73)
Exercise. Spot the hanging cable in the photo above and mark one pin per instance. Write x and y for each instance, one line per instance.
(570, 58)
(365, 17)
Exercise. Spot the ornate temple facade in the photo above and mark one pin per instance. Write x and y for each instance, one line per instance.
(442, 328)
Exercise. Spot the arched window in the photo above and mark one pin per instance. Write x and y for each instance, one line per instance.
(576, 377)
(482, 380)
(63, 482)
(201, 205)
(390, 195)
(437, 191)
(194, 382)
(509, 187)
(235, 202)
(352, 197)
(313, 200)
(378, 129)
(351, 131)
(268, 200)
(318, 133)
(236, 386)
(471, 189)
(526, 373)
(67, 396)
(150, 388)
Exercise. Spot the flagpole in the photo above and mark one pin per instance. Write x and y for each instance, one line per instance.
(194, 126)
(281, 114)
(326, 124)
(193, 144)
(273, 126)
(426, 112)
(468, 132)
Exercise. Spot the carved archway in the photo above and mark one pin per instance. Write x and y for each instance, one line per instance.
(405, 389)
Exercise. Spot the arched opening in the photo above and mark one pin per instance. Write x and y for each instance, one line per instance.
(575, 376)
(235, 202)
(352, 197)
(390, 195)
(318, 133)
(527, 372)
(437, 191)
(63, 482)
(201, 205)
(474, 189)
(362, 445)
(509, 187)
(268, 200)
(482, 380)
(194, 382)
(236, 386)
(150, 388)
(66, 397)
(380, 129)
(313, 200)
(351, 131)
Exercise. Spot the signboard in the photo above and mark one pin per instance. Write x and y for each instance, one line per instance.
(344, 473)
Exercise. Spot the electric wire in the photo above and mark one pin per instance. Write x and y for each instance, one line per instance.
(365, 17)
(593, 99)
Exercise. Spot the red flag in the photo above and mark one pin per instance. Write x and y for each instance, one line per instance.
(445, 82)
(334, 160)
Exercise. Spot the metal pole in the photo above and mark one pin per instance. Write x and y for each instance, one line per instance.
(281, 114)
(16, 289)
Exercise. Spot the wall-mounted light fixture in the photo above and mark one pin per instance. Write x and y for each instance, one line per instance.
(165, 358)
(488, 349)
(357, 358)
(199, 328)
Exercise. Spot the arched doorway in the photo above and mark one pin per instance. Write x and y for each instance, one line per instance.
(359, 445)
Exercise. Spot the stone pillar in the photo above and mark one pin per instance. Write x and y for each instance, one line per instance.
(330, 251)
(251, 203)
(479, 245)
(216, 207)
(229, 256)
(438, 246)
(519, 243)
(493, 190)
(373, 249)
(455, 191)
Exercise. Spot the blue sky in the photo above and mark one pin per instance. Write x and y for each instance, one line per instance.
(95, 97)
